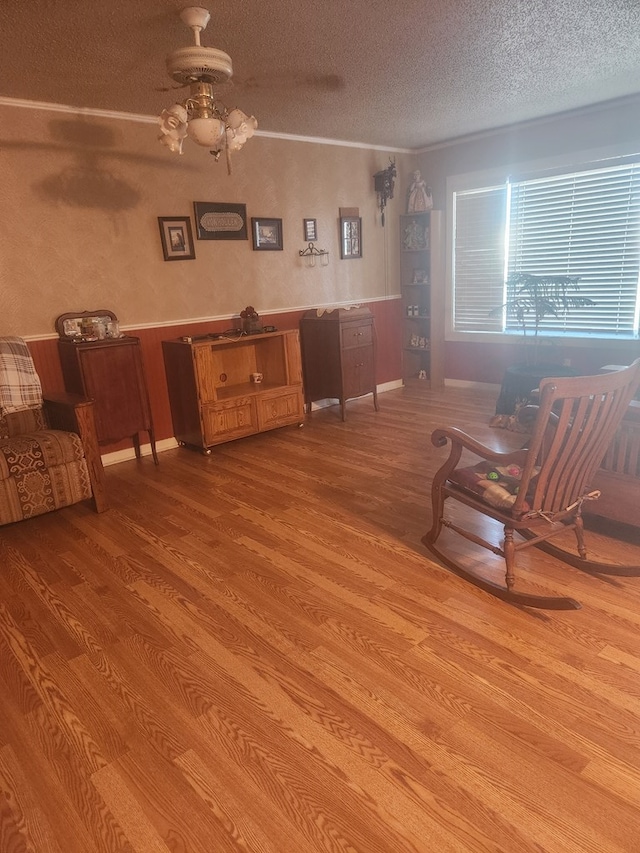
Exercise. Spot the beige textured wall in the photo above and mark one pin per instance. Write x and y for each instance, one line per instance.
(79, 202)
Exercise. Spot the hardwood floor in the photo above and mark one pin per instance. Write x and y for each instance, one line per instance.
(253, 652)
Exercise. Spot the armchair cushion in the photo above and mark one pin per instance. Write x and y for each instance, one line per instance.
(40, 472)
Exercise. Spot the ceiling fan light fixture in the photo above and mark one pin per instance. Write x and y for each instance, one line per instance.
(200, 117)
(208, 132)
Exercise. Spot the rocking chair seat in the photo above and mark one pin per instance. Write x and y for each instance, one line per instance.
(497, 485)
(539, 490)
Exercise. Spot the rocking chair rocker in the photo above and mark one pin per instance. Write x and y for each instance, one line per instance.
(537, 491)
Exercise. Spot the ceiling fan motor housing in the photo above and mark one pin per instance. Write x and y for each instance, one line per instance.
(197, 63)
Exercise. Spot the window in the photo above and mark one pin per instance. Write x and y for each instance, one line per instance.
(584, 224)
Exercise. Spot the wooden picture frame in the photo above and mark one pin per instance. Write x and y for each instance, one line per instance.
(310, 230)
(267, 234)
(350, 237)
(220, 220)
(177, 238)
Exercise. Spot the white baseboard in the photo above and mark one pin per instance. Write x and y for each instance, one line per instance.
(386, 386)
(464, 383)
(129, 453)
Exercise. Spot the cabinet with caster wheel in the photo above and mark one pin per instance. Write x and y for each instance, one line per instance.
(228, 388)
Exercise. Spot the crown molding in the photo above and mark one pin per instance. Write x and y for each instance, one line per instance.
(45, 106)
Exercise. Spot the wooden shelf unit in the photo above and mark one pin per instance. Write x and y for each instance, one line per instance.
(212, 396)
(422, 289)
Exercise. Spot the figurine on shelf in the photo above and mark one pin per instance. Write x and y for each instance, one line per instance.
(414, 237)
(420, 198)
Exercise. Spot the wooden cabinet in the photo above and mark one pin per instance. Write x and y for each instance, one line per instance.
(111, 373)
(214, 394)
(422, 288)
(338, 355)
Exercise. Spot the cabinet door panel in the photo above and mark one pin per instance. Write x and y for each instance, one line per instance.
(358, 375)
(279, 410)
(357, 335)
(113, 379)
(225, 421)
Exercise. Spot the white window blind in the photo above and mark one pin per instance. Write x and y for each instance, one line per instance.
(584, 224)
(479, 262)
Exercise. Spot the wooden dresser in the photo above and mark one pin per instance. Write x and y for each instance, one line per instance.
(213, 392)
(338, 355)
(111, 373)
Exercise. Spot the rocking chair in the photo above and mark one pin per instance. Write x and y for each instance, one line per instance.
(537, 491)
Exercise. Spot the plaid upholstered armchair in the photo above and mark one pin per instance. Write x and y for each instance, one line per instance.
(49, 454)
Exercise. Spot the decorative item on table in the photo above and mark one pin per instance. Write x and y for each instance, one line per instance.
(419, 198)
(383, 183)
(251, 324)
(422, 374)
(257, 378)
(83, 326)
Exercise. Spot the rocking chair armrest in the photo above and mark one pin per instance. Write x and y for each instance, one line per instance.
(460, 441)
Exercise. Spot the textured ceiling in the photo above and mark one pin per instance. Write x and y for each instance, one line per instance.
(405, 73)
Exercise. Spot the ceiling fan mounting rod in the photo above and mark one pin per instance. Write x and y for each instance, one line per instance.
(196, 18)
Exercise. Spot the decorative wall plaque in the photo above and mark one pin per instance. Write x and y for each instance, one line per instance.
(220, 221)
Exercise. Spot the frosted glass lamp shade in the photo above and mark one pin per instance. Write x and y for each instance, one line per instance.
(206, 131)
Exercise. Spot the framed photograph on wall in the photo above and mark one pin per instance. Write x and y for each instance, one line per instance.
(267, 234)
(177, 239)
(310, 230)
(220, 221)
(350, 237)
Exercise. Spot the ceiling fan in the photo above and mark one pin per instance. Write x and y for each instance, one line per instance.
(200, 116)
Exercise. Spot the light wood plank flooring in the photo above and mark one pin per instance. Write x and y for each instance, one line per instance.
(253, 652)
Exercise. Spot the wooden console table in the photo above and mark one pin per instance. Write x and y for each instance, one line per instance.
(223, 388)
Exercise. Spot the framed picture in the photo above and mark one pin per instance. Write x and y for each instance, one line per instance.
(310, 230)
(177, 239)
(350, 237)
(220, 221)
(267, 234)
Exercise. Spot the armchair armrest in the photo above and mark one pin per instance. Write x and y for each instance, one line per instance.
(74, 413)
